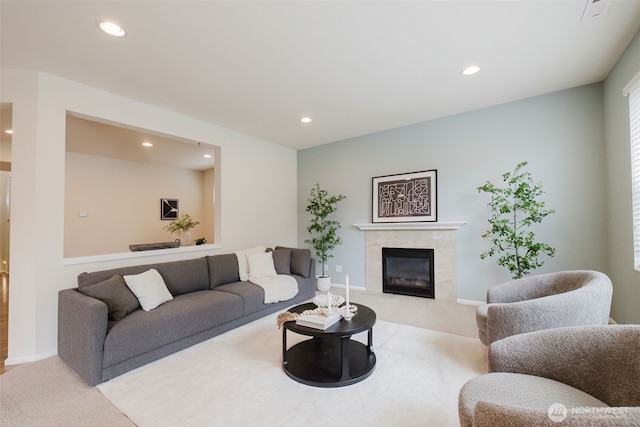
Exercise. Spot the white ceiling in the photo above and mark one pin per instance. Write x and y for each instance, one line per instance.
(355, 67)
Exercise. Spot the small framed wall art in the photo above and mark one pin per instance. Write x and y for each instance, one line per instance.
(169, 209)
(407, 197)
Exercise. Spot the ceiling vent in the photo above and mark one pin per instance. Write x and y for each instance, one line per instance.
(595, 8)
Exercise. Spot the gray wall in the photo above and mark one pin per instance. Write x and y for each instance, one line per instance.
(560, 134)
(626, 294)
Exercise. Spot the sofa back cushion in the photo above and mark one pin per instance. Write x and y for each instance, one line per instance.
(282, 261)
(180, 276)
(300, 260)
(223, 269)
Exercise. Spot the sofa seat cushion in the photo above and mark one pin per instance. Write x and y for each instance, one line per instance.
(183, 316)
(252, 295)
(520, 390)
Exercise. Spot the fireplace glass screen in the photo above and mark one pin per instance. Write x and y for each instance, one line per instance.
(408, 272)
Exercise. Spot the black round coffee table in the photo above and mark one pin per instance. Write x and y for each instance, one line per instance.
(330, 358)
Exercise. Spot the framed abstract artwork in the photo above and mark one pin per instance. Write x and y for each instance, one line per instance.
(408, 197)
(169, 209)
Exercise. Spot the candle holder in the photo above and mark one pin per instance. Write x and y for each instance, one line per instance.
(348, 312)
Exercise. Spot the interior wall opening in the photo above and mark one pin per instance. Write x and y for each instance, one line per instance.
(117, 178)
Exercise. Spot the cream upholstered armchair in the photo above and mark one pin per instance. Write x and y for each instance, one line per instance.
(571, 376)
(544, 301)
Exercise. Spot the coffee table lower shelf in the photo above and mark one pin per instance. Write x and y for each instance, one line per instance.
(319, 362)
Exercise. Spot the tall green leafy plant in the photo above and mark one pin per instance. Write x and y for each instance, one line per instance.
(514, 208)
(322, 228)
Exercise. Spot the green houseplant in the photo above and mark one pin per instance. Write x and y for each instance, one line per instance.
(182, 227)
(514, 208)
(323, 229)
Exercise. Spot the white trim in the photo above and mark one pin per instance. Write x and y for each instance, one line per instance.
(27, 359)
(138, 254)
(351, 287)
(470, 302)
(634, 145)
(631, 84)
(439, 225)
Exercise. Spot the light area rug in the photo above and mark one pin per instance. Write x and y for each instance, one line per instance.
(236, 379)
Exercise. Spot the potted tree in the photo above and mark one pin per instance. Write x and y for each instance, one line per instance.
(514, 209)
(323, 230)
(182, 227)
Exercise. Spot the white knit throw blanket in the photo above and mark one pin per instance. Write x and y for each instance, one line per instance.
(276, 288)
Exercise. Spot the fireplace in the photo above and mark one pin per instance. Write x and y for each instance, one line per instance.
(408, 271)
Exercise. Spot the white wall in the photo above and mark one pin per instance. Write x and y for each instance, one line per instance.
(626, 280)
(258, 196)
(561, 135)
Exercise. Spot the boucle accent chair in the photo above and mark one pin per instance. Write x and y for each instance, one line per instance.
(544, 301)
(594, 371)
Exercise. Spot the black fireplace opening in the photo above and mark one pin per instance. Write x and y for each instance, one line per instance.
(408, 272)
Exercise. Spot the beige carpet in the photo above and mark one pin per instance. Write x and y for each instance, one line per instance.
(236, 379)
(48, 393)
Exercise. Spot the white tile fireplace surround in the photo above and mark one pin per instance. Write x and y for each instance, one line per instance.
(439, 236)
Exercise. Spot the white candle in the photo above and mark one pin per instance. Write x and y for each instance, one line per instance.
(329, 298)
(347, 294)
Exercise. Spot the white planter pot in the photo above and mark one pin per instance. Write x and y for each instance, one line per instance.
(323, 284)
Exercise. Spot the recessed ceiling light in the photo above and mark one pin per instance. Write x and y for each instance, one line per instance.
(306, 120)
(207, 156)
(147, 144)
(9, 131)
(472, 69)
(112, 28)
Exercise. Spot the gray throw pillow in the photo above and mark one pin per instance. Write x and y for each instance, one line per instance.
(300, 260)
(115, 293)
(282, 261)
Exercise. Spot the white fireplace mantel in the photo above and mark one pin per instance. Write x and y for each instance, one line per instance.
(441, 225)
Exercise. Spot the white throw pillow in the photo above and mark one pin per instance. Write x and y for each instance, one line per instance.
(261, 265)
(243, 266)
(149, 288)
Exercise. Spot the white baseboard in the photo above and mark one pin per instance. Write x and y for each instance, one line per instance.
(351, 287)
(27, 359)
(470, 302)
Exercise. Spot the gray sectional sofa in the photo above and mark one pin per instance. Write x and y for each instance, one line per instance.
(103, 333)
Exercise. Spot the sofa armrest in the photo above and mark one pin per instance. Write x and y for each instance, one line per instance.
(82, 328)
(600, 360)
